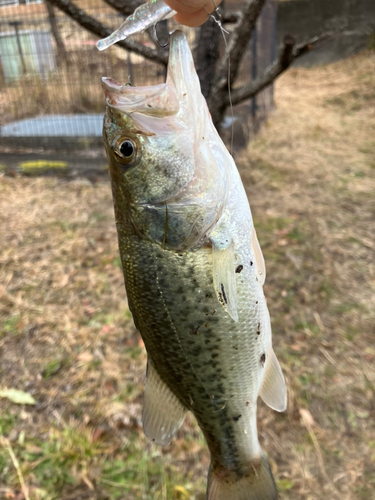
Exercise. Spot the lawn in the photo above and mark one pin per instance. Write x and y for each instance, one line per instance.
(67, 337)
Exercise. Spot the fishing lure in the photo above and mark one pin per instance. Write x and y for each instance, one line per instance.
(145, 16)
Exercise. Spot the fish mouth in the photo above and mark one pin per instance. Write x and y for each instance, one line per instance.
(160, 100)
(157, 100)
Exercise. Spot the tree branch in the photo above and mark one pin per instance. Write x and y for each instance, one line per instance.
(227, 70)
(62, 56)
(230, 17)
(287, 54)
(103, 31)
(125, 7)
(238, 43)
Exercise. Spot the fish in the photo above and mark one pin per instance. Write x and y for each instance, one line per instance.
(145, 16)
(194, 274)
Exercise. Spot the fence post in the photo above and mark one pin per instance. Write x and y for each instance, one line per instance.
(15, 25)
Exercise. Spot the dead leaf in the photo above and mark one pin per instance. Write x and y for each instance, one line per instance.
(17, 397)
(97, 434)
(86, 357)
(64, 280)
(33, 449)
(307, 418)
(106, 329)
(295, 347)
(182, 491)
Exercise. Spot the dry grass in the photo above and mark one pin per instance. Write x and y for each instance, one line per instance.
(311, 181)
(67, 336)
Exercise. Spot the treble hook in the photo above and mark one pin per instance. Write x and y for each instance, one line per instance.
(156, 39)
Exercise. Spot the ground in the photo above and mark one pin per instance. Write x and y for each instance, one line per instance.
(67, 336)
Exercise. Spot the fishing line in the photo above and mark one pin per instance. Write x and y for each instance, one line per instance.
(224, 32)
(217, 21)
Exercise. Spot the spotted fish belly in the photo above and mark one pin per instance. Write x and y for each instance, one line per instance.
(213, 365)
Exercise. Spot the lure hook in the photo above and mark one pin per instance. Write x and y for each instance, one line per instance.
(156, 39)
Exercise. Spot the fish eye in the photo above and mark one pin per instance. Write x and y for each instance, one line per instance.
(125, 150)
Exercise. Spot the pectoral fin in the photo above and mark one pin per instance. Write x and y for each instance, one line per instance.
(224, 278)
(163, 413)
(258, 256)
(273, 390)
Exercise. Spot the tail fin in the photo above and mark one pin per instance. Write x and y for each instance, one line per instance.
(258, 484)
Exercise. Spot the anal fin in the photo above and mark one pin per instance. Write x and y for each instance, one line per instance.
(163, 413)
(273, 390)
(225, 278)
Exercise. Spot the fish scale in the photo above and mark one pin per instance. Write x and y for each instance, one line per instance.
(168, 333)
(194, 275)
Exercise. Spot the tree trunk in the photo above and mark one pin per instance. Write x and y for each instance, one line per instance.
(61, 54)
(206, 54)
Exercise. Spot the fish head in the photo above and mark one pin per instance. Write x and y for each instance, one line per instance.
(166, 160)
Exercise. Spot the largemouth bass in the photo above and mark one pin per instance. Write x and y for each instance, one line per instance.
(194, 274)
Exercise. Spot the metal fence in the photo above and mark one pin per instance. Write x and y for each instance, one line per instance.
(50, 71)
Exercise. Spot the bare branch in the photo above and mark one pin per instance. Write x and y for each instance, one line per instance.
(125, 7)
(99, 29)
(230, 17)
(287, 54)
(227, 70)
(238, 43)
(62, 56)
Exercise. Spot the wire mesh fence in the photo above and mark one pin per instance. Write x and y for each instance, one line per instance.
(50, 69)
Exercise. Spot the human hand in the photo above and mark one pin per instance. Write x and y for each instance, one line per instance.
(192, 12)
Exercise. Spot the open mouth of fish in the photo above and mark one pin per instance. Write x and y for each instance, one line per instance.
(172, 98)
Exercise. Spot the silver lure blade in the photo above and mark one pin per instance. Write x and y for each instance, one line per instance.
(146, 15)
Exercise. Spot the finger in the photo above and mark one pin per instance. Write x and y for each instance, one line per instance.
(190, 17)
(192, 20)
(192, 6)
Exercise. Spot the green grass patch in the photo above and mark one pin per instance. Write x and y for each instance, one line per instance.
(285, 484)
(11, 325)
(117, 262)
(351, 332)
(303, 325)
(348, 306)
(297, 234)
(52, 368)
(7, 422)
(272, 224)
